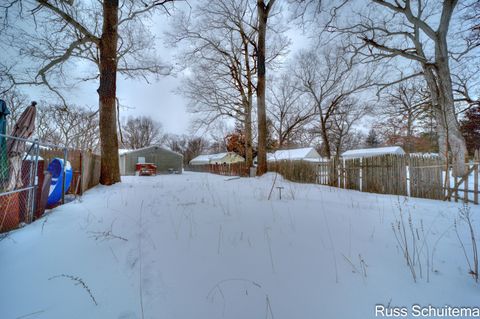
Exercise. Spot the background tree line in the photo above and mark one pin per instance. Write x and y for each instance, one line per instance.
(410, 67)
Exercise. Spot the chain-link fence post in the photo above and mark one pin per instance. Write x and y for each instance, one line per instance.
(65, 156)
(33, 197)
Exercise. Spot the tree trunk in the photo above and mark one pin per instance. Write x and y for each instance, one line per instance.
(248, 103)
(261, 111)
(110, 171)
(440, 75)
(409, 141)
(450, 138)
(326, 141)
(456, 141)
(438, 78)
(248, 134)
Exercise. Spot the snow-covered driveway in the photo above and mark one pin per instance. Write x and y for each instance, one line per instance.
(202, 246)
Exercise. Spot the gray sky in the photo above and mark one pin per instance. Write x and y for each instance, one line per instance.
(157, 98)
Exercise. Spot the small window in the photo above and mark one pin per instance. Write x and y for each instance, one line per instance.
(141, 160)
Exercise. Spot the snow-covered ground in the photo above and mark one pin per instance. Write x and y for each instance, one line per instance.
(204, 246)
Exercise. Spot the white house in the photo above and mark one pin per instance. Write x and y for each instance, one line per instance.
(220, 158)
(370, 152)
(297, 154)
(200, 160)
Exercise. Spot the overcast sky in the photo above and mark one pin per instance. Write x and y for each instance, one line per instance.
(157, 98)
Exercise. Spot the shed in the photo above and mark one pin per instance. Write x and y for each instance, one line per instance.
(370, 152)
(200, 160)
(165, 159)
(219, 158)
(297, 154)
(228, 158)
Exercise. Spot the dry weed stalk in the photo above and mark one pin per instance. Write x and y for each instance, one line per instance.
(465, 215)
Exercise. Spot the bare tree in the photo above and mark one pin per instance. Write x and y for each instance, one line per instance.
(221, 57)
(75, 127)
(289, 109)
(342, 133)
(263, 12)
(403, 106)
(415, 32)
(45, 129)
(16, 103)
(217, 135)
(471, 17)
(110, 34)
(141, 132)
(466, 80)
(329, 78)
(189, 146)
(222, 85)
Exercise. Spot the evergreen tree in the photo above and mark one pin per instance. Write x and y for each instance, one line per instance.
(372, 139)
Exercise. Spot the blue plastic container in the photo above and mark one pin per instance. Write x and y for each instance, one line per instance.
(56, 168)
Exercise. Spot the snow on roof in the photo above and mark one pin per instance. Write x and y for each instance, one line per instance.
(218, 156)
(208, 158)
(122, 151)
(201, 158)
(316, 160)
(294, 154)
(369, 152)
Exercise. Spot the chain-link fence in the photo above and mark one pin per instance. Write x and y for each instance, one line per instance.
(24, 184)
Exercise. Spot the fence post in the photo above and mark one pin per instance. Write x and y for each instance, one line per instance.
(361, 174)
(411, 162)
(35, 182)
(447, 183)
(455, 180)
(475, 184)
(80, 177)
(465, 184)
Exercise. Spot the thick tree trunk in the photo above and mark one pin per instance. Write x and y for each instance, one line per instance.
(261, 111)
(110, 171)
(438, 78)
(450, 138)
(456, 141)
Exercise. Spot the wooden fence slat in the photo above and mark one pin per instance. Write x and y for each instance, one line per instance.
(475, 184)
(465, 185)
(455, 179)
(406, 175)
(85, 167)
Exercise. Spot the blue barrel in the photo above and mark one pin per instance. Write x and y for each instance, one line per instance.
(56, 168)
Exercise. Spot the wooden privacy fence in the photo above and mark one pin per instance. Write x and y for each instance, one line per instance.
(233, 169)
(426, 177)
(85, 168)
(298, 171)
(416, 176)
(91, 164)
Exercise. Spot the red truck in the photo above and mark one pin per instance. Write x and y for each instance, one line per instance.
(146, 169)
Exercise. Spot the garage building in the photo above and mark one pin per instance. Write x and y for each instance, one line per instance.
(167, 161)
